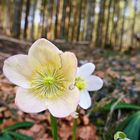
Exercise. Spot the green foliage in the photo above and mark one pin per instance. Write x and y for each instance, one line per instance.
(6, 136)
(19, 136)
(121, 105)
(131, 126)
(1, 120)
(10, 132)
(109, 53)
(18, 125)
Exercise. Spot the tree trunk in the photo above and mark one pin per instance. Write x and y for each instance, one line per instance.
(100, 24)
(50, 16)
(122, 29)
(7, 17)
(116, 24)
(74, 26)
(33, 18)
(112, 37)
(43, 32)
(26, 18)
(67, 19)
(134, 21)
(90, 19)
(63, 32)
(56, 18)
(107, 24)
(79, 20)
(17, 17)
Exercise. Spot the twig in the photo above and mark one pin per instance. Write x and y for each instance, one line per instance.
(111, 112)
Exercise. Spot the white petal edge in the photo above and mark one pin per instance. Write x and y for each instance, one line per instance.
(85, 100)
(44, 42)
(27, 102)
(85, 70)
(64, 105)
(18, 70)
(69, 65)
(43, 52)
(94, 83)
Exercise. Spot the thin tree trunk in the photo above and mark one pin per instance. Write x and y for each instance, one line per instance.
(7, 17)
(107, 24)
(116, 24)
(26, 18)
(134, 22)
(84, 21)
(56, 18)
(33, 18)
(79, 20)
(17, 17)
(113, 23)
(63, 33)
(43, 34)
(100, 24)
(90, 19)
(122, 29)
(67, 20)
(50, 18)
(75, 13)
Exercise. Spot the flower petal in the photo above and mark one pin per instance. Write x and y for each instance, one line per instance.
(85, 100)
(29, 103)
(43, 52)
(69, 65)
(18, 70)
(64, 105)
(94, 83)
(85, 70)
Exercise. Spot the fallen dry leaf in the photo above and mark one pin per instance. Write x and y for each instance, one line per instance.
(86, 133)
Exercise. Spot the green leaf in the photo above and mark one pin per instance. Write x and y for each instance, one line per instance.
(131, 126)
(1, 138)
(1, 120)
(19, 136)
(126, 121)
(18, 125)
(121, 105)
(5, 136)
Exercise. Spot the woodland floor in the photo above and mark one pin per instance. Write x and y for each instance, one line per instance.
(121, 75)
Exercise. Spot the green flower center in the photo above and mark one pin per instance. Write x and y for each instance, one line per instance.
(80, 83)
(48, 82)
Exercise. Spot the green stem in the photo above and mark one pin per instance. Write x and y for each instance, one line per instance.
(74, 129)
(54, 128)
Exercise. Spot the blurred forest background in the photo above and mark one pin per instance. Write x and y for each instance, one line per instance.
(103, 23)
(103, 32)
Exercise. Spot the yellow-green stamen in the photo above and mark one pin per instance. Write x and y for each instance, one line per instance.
(80, 83)
(48, 82)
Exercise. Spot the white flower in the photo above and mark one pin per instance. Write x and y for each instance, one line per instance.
(120, 136)
(86, 82)
(46, 78)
